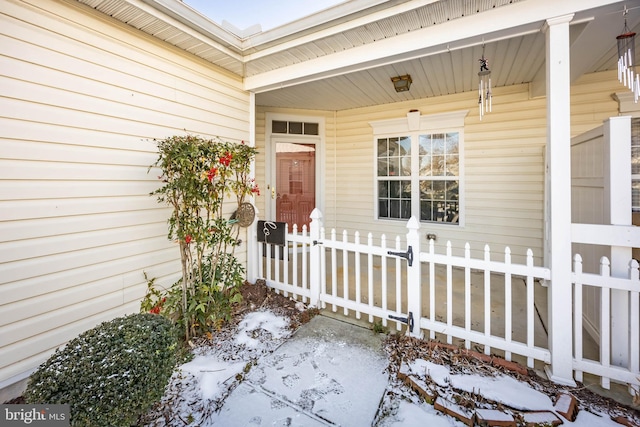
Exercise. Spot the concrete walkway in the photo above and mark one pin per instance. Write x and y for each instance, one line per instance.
(329, 373)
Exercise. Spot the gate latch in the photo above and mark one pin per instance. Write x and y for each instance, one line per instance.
(406, 320)
(408, 255)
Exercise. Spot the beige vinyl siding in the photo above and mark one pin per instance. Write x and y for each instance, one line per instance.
(503, 166)
(82, 97)
(502, 172)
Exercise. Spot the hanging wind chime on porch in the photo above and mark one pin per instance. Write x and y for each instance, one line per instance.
(626, 59)
(484, 86)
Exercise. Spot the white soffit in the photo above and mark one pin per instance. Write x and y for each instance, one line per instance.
(514, 20)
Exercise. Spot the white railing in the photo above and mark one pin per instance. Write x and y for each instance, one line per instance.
(492, 273)
(605, 283)
(449, 297)
(353, 274)
(291, 274)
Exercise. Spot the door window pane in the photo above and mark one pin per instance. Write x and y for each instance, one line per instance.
(278, 127)
(311, 129)
(295, 128)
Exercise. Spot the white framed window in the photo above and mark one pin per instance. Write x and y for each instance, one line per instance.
(418, 163)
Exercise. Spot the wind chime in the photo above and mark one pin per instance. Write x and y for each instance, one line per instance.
(626, 59)
(484, 86)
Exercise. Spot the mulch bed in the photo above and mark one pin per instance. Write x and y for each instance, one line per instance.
(408, 349)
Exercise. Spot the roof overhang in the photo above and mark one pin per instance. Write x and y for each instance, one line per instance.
(375, 39)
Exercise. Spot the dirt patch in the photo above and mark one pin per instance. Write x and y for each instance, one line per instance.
(259, 297)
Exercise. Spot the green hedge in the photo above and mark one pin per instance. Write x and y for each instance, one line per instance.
(110, 374)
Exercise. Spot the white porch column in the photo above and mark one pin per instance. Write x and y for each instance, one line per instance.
(617, 210)
(559, 199)
(252, 233)
(314, 258)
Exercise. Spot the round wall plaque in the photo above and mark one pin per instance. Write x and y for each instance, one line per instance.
(245, 214)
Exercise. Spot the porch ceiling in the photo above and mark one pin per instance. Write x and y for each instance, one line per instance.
(344, 57)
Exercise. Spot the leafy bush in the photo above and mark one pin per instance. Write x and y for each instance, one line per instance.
(110, 374)
(198, 177)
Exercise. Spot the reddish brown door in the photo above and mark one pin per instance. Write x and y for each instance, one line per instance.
(295, 182)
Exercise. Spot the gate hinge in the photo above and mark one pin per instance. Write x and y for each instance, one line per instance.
(406, 320)
(408, 255)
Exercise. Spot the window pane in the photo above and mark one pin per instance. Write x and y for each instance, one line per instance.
(406, 189)
(425, 145)
(394, 208)
(382, 147)
(425, 211)
(405, 162)
(635, 160)
(452, 190)
(311, 129)
(437, 166)
(452, 165)
(635, 195)
(394, 166)
(295, 128)
(383, 167)
(438, 144)
(383, 209)
(383, 189)
(426, 190)
(394, 147)
(406, 209)
(439, 190)
(405, 145)
(452, 143)
(278, 127)
(394, 189)
(452, 214)
(439, 211)
(425, 166)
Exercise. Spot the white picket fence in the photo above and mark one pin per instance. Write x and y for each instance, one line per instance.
(605, 284)
(353, 274)
(605, 301)
(473, 300)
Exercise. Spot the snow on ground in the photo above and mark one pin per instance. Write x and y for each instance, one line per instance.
(211, 375)
(503, 389)
(409, 414)
(277, 326)
(198, 388)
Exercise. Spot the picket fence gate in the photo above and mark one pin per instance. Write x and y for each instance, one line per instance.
(395, 281)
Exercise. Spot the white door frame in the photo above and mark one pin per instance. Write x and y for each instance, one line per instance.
(272, 139)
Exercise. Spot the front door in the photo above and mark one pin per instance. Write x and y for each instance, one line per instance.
(295, 182)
